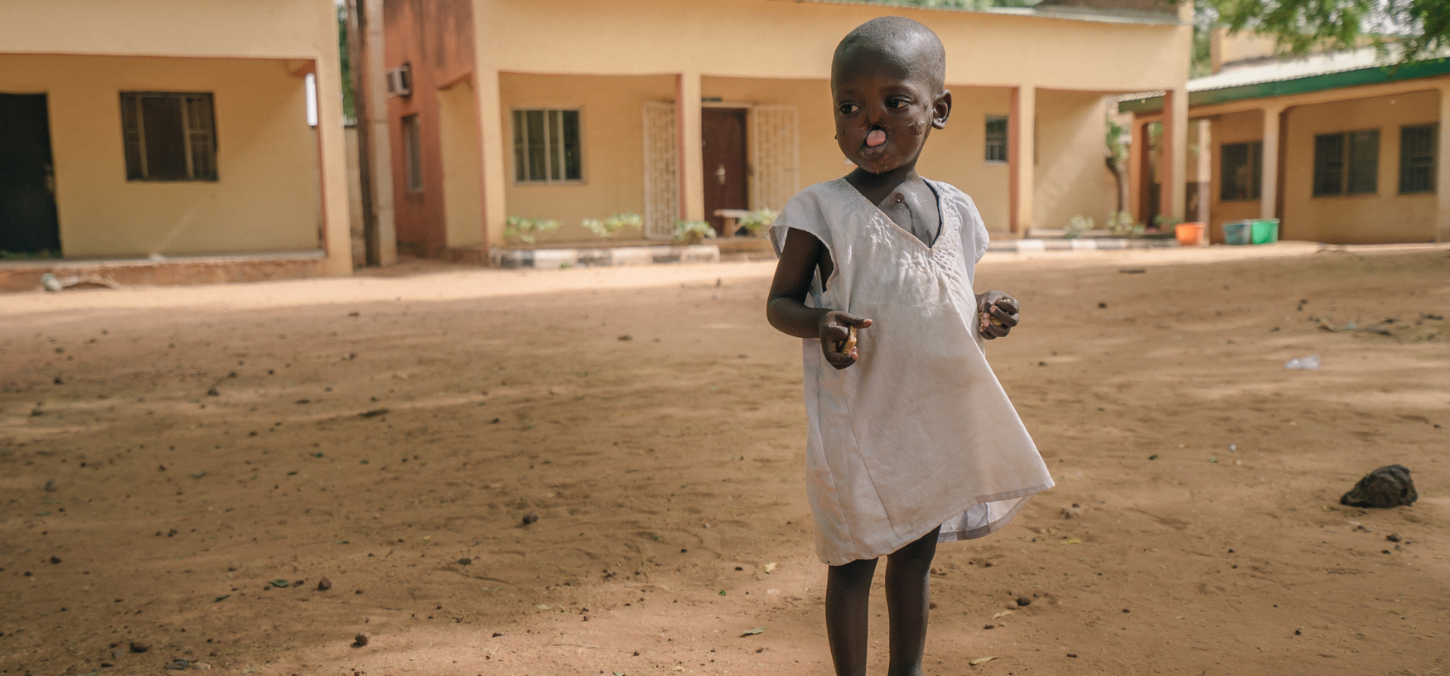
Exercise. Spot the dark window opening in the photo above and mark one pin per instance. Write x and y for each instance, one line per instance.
(996, 138)
(169, 136)
(1241, 171)
(547, 146)
(412, 154)
(1417, 158)
(1347, 163)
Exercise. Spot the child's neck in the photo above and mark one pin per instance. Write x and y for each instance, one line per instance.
(877, 187)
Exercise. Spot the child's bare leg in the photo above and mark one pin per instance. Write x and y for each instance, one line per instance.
(908, 588)
(848, 593)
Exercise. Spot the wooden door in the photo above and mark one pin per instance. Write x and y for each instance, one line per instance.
(726, 186)
(29, 222)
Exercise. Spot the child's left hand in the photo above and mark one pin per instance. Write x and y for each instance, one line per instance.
(998, 313)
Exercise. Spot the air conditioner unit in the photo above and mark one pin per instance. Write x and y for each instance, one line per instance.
(400, 81)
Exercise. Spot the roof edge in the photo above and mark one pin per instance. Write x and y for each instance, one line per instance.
(1091, 15)
(1358, 77)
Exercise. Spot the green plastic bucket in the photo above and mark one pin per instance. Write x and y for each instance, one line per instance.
(1237, 232)
(1265, 232)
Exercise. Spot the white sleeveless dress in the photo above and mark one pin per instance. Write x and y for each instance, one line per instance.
(918, 433)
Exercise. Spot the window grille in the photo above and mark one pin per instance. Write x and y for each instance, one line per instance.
(1241, 171)
(413, 153)
(996, 142)
(547, 146)
(1347, 163)
(1328, 165)
(169, 136)
(1364, 162)
(1417, 158)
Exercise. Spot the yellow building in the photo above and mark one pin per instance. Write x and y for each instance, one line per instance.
(675, 109)
(1341, 147)
(172, 133)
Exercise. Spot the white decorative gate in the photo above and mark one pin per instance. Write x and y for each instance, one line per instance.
(773, 133)
(661, 174)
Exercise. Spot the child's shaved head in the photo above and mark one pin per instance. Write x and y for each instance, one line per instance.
(898, 41)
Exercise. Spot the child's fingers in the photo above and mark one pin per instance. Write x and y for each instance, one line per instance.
(1005, 318)
(852, 320)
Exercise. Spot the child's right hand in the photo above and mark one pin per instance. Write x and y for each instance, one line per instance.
(834, 328)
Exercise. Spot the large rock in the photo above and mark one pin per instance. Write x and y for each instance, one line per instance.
(1388, 486)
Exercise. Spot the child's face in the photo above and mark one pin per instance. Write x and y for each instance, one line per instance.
(884, 111)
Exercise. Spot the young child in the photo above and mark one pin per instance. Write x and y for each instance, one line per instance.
(911, 440)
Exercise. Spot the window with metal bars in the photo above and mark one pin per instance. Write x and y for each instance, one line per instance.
(1240, 171)
(1347, 163)
(547, 147)
(996, 138)
(1417, 158)
(169, 136)
(412, 153)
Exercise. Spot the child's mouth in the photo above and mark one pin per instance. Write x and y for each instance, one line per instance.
(875, 138)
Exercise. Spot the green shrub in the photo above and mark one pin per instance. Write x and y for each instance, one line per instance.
(525, 229)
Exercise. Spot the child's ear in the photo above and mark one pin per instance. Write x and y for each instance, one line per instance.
(941, 109)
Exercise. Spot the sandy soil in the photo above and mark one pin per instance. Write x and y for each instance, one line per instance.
(167, 454)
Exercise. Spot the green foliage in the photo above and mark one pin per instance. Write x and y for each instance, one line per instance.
(1118, 139)
(1121, 225)
(611, 226)
(951, 4)
(1420, 27)
(691, 232)
(349, 105)
(1166, 222)
(526, 229)
(1077, 227)
(758, 220)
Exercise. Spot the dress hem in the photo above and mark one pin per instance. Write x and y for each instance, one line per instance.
(992, 527)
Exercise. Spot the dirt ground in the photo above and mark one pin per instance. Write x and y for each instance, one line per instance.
(181, 467)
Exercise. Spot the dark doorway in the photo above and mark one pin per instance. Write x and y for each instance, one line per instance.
(28, 219)
(726, 186)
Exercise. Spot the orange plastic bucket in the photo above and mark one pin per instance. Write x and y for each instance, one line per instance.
(1191, 234)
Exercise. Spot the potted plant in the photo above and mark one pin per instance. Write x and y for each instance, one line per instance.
(609, 228)
(692, 232)
(757, 221)
(526, 230)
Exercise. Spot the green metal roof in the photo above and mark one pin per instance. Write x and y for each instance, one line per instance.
(1301, 85)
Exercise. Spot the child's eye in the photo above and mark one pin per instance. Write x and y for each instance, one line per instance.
(897, 103)
(848, 108)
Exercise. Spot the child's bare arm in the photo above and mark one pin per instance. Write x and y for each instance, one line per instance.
(786, 310)
(999, 313)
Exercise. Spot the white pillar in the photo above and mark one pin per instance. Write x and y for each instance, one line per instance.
(1137, 169)
(1175, 153)
(690, 146)
(1021, 158)
(332, 154)
(495, 168)
(380, 146)
(1442, 174)
(1269, 175)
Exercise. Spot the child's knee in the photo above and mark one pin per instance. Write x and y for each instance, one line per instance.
(854, 573)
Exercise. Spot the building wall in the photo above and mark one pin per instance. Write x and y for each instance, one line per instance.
(227, 39)
(1383, 217)
(462, 166)
(266, 198)
(795, 40)
(1072, 172)
(435, 37)
(613, 145)
(612, 130)
(1230, 128)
